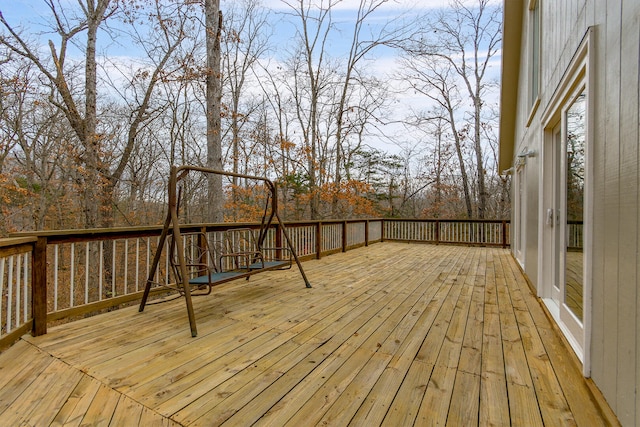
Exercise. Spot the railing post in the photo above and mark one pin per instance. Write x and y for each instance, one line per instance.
(39, 286)
(437, 232)
(382, 229)
(344, 236)
(318, 239)
(366, 232)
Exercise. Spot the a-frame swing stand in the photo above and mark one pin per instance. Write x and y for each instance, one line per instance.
(184, 281)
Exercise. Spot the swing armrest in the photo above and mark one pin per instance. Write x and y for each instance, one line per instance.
(242, 260)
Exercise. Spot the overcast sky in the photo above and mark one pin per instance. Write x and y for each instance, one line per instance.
(32, 14)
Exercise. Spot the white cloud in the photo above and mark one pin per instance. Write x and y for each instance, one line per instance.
(388, 5)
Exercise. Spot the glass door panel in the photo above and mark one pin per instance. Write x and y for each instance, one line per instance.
(576, 127)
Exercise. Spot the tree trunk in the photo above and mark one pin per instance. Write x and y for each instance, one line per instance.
(213, 22)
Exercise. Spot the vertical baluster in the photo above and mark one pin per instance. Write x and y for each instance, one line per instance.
(148, 257)
(10, 294)
(326, 237)
(72, 281)
(2, 261)
(353, 233)
(166, 263)
(333, 235)
(308, 239)
(113, 268)
(137, 263)
(55, 277)
(352, 228)
(18, 280)
(100, 269)
(329, 237)
(25, 284)
(126, 264)
(332, 241)
(336, 233)
(86, 274)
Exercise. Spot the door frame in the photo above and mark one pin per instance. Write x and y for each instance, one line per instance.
(577, 77)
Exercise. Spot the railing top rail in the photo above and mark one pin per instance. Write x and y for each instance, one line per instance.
(60, 236)
(16, 241)
(454, 220)
(76, 235)
(64, 236)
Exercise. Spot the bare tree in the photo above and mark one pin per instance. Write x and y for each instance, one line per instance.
(104, 151)
(310, 67)
(455, 51)
(169, 27)
(82, 118)
(244, 41)
(432, 78)
(362, 44)
(33, 155)
(213, 24)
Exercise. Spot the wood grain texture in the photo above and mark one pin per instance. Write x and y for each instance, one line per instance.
(393, 334)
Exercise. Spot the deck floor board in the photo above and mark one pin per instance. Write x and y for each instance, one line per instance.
(391, 334)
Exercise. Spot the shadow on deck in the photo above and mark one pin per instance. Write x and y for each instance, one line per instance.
(393, 334)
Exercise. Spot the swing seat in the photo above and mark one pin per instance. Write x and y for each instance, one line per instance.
(238, 256)
(246, 254)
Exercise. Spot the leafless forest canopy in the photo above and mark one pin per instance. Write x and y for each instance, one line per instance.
(100, 97)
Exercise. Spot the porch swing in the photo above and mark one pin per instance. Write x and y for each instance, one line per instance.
(240, 253)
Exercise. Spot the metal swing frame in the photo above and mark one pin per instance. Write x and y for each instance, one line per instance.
(172, 225)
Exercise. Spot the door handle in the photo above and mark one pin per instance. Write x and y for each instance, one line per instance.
(550, 217)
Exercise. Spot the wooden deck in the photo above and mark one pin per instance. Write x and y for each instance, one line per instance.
(394, 334)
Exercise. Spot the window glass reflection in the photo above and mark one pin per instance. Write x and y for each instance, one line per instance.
(575, 139)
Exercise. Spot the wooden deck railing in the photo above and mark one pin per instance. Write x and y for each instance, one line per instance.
(17, 260)
(449, 231)
(48, 276)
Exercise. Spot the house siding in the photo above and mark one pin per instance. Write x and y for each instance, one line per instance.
(614, 97)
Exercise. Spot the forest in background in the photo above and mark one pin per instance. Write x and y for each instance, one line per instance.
(101, 97)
